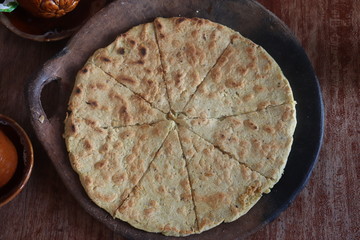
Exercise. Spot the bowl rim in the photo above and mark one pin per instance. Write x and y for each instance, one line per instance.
(39, 38)
(54, 36)
(28, 148)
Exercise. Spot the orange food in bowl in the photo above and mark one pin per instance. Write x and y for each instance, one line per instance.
(8, 159)
(48, 8)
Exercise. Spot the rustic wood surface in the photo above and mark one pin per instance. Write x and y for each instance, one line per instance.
(328, 207)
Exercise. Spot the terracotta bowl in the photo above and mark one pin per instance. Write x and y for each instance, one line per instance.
(50, 29)
(25, 153)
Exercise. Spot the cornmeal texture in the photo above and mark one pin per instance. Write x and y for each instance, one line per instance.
(179, 125)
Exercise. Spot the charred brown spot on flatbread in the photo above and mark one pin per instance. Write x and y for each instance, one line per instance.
(180, 20)
(121, 51)
(242, 70)
(195, 33)
(123, 110)
(232, 83)
(126, 79)
(248, 97)
(150, 82)
(132, 42)
(92, 103)
(77, 90)
(287, 114)
(263, 105)
(118, 178)
(87, 145)
(90, 122)
(100, 165)
(142, 51)
(269, 129)
(178, 79)
(248, 123)
(199, 21)
(101, 86)
(258, 88)
(73, 128)
(158, 24)
(116, 97)
(234, 37)
(214, 200)
(105, 59)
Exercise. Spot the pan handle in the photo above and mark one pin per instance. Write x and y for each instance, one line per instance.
(34, 91)
(35, 87)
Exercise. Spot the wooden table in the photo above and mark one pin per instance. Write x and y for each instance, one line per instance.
(329, 206)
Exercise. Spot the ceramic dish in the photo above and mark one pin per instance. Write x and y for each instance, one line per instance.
(24, 150)
(247, 17)
(44, 30)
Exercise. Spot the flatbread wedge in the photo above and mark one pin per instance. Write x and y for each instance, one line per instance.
(261, 140)
(99, 99)
(245, 79)
(162, 201)
(223, 189)
(189, 48)
(111, 161)
(133, 59)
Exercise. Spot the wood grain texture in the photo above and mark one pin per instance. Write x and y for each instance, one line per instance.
(329, 206)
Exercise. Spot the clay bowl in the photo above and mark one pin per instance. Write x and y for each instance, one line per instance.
(24, 149)
(45, 30)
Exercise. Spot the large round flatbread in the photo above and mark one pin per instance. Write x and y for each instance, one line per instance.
(179, 125)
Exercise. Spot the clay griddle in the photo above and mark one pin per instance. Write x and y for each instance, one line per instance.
(246, 16)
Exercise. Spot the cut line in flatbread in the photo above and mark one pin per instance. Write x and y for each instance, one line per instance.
(100, 100)
(245, 79)
(261, 140)
(133, 59)
(189, 48)
(111, 161)
(223, 188)
(187, 170)
(162, 201)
